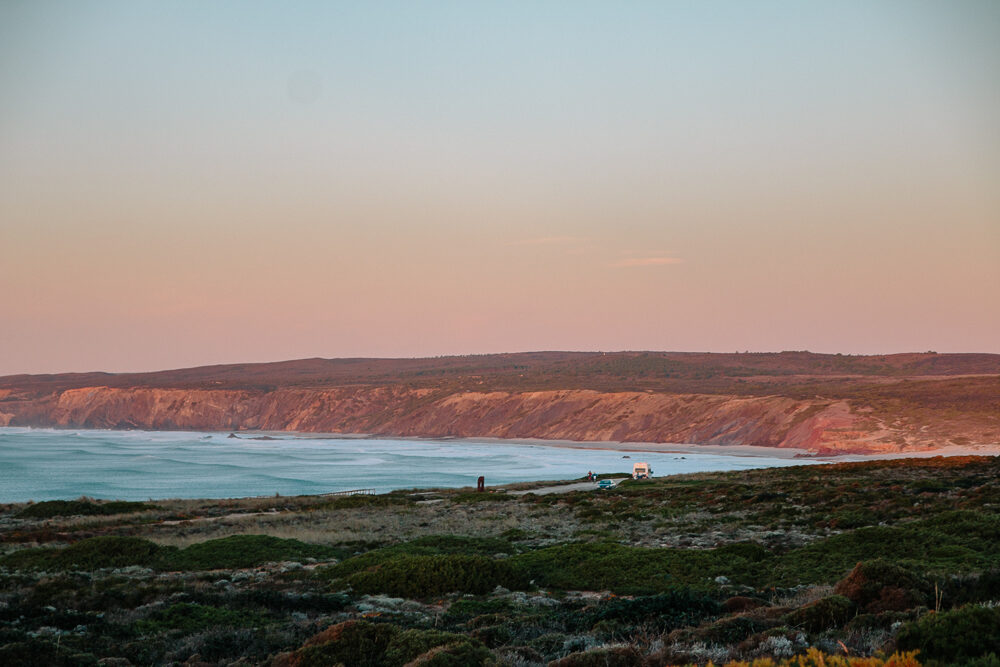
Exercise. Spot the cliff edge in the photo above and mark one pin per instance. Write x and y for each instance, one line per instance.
(863, 405)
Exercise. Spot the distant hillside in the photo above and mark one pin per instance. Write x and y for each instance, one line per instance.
(569, 370)
(821, 402)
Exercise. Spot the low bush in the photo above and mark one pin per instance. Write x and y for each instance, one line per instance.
(430, 545)
(462, 653)
(958, 590)
(90, 554)
(880, 585)
(357, 643)
(114, 551)
(227, 645)
(549, 644)
(466, 609)
(52, 508)
(829, 612)
(241, 551)
(726, 631)
(193, 617)
(854, 519)
(659, 613)
(274, 601)
(423, 576)
(495, 635)
(481, 497)
(38, 652)
(988, 660)
(960, 634)
(365, 644)
(360, 500)
(615, 656)
(948, 542)
(638, 570)
(740, 603)
(459, 544)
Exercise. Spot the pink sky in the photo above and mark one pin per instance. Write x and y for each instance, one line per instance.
(508, 179)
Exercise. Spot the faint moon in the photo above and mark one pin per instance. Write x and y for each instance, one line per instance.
(304, 86)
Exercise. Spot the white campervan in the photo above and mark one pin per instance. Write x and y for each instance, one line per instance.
(641, 471)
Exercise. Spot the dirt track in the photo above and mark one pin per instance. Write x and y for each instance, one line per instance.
(562, 488)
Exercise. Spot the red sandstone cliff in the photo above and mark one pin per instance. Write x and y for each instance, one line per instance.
(823, 403)
(819, 425)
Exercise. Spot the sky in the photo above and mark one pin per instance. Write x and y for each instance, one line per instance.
(188, 182)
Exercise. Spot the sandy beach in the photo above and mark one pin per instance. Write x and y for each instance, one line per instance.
(652, 447)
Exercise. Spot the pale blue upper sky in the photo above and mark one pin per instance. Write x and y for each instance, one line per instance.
(497, 176)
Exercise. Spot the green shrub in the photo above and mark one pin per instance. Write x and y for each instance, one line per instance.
(854, 519)
(408, 644)
(227, 645)
(549, 644)
(459, 544)
(978, 587)
(928, 486)
(51, 508)
(637, 570)
(480, 497)
(493, 635)
(193, 618)
(884, 620)
(465, 609)
(829, 612)
(113, 551)
(968, 632)
(423, 576)
(726, 631)
(617, 656)
(465, 652)
(660, 613)
(430, 545)
(90, 554)
(38, 652)
(41, 558)
(356, 643)
(365, 644)
(946, 543)
(241, 551)
(515, 534)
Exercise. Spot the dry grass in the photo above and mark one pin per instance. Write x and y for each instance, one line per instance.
(382, 524)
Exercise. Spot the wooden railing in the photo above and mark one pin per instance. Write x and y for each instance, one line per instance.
(352, 492)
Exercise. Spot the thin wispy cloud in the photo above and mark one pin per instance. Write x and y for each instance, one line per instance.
(645, 261)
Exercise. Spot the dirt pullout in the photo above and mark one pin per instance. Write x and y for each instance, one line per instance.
(823, 426)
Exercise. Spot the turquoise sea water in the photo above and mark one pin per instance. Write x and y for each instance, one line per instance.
(48, 464)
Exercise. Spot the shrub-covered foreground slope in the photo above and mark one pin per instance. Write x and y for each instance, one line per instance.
(850, 564)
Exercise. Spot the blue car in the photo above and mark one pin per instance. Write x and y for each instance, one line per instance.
(605, 484)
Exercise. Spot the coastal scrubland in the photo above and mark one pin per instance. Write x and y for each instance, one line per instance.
(882, 562)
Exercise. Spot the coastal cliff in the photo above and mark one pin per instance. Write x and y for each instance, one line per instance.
(821, 426)
(820, 403)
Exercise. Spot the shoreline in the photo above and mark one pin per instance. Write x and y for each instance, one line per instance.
(702, 458)
(752, 451)
(749, 451)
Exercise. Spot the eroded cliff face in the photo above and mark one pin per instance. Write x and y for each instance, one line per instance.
(821, 426)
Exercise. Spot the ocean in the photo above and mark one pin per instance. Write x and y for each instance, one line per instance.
(51, 464)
